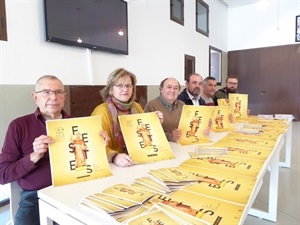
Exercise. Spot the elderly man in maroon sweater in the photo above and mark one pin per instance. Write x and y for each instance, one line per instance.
(25, 155)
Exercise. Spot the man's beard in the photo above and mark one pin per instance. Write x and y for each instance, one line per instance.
(195, 93)
(231, 90)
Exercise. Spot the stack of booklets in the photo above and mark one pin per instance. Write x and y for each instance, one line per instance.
(229, 187)
(162, 214)
(146, 183)
(208, 150)
(116, 200)
(208, 209)
(173, 177)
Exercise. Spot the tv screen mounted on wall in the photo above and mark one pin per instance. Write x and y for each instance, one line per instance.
(95, 24)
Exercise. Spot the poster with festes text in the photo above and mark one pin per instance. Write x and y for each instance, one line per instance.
(193, 122)
(78, 152)
(239, 105)
(144, 137)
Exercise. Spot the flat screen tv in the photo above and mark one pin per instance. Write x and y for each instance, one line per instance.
(95, 24)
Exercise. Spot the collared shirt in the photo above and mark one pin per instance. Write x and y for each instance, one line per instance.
(15, 163)
(194, 99)
(166, 104)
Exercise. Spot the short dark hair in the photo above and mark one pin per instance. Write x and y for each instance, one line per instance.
(189, 76)
(207, 79)
(231, 76)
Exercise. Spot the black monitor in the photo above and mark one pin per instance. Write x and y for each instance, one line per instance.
(95, 24)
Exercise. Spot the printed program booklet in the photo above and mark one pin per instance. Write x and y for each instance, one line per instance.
(78, 153)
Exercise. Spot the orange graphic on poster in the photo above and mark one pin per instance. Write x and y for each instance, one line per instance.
(79, 149)
(182, 207)
(237, 104)
(194, 125)
(219, 120)
(143, 132)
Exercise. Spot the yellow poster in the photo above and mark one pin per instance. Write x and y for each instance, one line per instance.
(222, 102)
(193, 121)
(213, 211)
(144, 137)
(78, 153)
(245, 151)
(128, 193)
(215, 183)
(228, 164)
(239, 105)
(220, 119)
(153, 218)
(250, 141)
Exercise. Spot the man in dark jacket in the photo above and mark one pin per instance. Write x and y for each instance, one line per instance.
(191, 94)
(231, 87)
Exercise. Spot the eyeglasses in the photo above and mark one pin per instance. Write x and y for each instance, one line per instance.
(46, 92)
(123, 86)
(232, 83)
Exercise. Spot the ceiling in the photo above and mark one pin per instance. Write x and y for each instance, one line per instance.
(237, 3)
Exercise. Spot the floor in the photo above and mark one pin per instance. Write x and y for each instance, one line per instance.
(288, 197)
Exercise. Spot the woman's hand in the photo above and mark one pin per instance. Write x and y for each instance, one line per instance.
(105, 136)
(123, 160)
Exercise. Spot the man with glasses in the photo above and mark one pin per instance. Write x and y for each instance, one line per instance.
(25, 156)
(231, 87)
(191, 94)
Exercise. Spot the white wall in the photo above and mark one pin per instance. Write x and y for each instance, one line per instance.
(270, 23)
(156, 45)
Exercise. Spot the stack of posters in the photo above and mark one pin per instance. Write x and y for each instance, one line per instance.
(144, 138)
(163, 214)
(229, 164)
(146, 183)
(78, 153)
(117, 199)
(226, 186)
(210, 210)
(173, 177)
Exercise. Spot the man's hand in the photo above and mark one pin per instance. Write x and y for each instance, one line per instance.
(176, 134)
(160, 116)
(40, 146)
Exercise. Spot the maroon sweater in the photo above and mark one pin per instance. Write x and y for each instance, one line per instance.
(15, 161)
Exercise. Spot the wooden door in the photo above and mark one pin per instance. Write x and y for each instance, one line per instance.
(271, 78)
(245, 65)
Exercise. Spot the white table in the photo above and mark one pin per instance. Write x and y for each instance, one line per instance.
(61, 204)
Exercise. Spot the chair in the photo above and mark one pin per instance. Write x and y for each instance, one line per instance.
(15, 191)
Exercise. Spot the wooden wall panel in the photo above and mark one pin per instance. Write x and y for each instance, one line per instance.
(271, 78)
